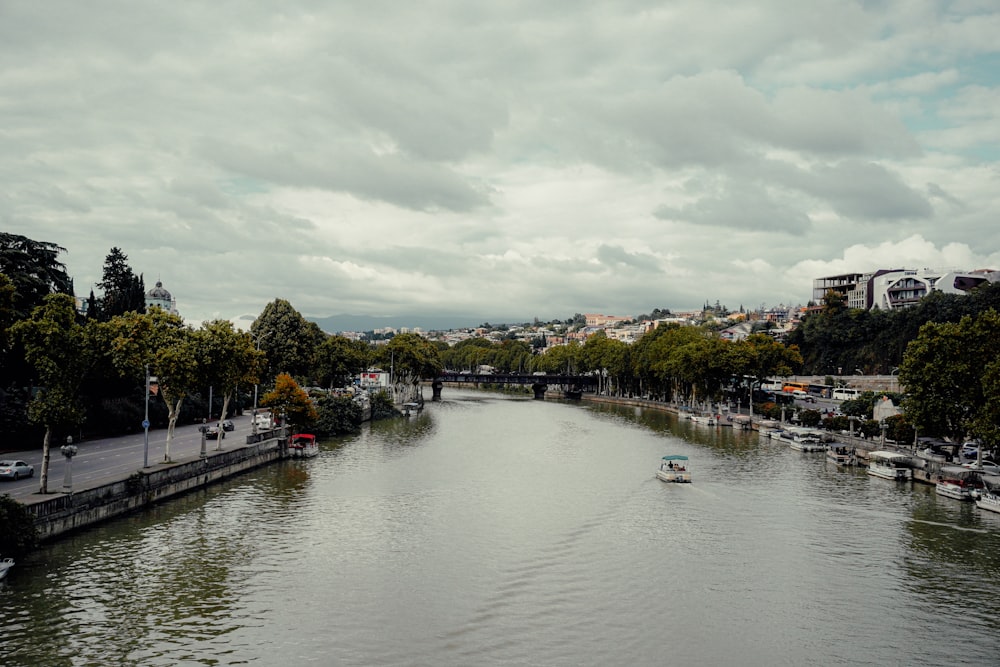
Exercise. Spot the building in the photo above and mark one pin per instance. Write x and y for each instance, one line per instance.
(160, 297)
(888, 289)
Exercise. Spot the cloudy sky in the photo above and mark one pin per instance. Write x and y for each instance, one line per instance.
(511, 159)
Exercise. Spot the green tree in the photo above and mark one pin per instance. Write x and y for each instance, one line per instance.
(160, 341)
(124, 292)
(287, 340)
(339, 359)
(410, 358)
(34, 269)
(61, 352)
(948, 372)
(337, 415)
(226, 359)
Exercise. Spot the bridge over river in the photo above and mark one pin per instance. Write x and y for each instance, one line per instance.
(572, 386)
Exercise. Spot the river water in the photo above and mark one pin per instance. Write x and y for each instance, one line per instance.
(501, 531)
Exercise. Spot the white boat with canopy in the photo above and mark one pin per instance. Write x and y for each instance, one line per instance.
(889, 465)
(674, 468)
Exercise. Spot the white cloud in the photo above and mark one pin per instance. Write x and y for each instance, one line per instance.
(524, 159)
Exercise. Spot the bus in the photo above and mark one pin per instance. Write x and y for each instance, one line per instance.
(790, 387)
(845, 394)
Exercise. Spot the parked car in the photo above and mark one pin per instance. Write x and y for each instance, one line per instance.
(228, 425)
(989, 467)
(10, 469)
(970, 450)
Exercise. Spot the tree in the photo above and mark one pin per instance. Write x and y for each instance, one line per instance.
(289, 400)
(34, 269)
(410, 357)
(159, 341)
(227, 358)
(949, 372)
(339, 358)
(286, 339)
(338, 415)
(61, 352)
(124, 292)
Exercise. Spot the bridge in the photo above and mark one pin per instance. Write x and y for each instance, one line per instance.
(573, 385)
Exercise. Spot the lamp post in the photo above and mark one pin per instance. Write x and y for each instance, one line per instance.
(145, 425)
(257, 340)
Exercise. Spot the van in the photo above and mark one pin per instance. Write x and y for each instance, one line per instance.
(262, 421)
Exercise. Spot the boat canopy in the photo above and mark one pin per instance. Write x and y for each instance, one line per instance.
(888, 456)
(675, 457)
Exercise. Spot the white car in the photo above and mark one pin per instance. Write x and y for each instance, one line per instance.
(15, 470)
(989, 467)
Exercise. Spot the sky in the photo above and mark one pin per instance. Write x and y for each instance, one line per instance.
(504, 160)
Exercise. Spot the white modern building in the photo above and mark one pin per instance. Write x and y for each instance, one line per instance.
(888, 289)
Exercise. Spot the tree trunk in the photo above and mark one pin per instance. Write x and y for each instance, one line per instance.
(174, 412)
(43, 478)
(222, 418)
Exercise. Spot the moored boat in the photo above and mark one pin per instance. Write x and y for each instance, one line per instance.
(5, 565)
(802, 439)
(841, 455)
(889, 465)
(411, 409)
(303, 446)
(988, 500)
(674, 468)
(958, 483)
(707, 420)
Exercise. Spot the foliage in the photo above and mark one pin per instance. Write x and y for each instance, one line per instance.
(287, 340)
(226, 359)
(290, 401)
(124, 292)
(382, 406)
(810, 418)
(950, 373)
(34, 269)
(19, 534)
(61, 352)
(160, 342)
(339, 358)
(410, 357)
(837, 340)
(337, 415)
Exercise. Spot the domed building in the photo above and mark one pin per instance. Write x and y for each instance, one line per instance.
(159, 296)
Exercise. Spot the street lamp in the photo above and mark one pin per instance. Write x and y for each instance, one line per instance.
(145, 425)
(257, 339)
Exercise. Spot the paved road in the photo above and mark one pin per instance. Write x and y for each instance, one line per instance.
(104, 460)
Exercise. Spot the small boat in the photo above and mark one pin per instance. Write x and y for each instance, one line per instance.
(674, 468)
(958, 483)
(988, 500)
(802, 439)
(841, 455)
(707, 420)
(303, 446)
(889, 465)
(411, 409)
(5, 565)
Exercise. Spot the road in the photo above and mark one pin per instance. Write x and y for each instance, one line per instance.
(108, 459)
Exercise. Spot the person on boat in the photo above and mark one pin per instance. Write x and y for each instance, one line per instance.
(671, 465)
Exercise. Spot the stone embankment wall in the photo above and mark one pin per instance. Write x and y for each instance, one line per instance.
(65, 513)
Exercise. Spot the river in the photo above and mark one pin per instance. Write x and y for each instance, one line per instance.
(503, 531)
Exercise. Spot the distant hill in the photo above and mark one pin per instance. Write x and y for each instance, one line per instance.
(338, 323)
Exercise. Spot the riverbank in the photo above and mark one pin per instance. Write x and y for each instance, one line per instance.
(57, 514)
(926, 471)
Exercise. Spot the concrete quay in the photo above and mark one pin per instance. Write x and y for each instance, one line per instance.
(60, 513)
